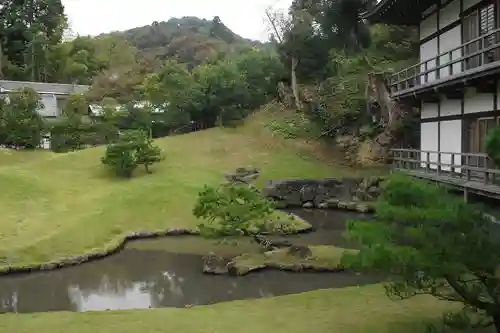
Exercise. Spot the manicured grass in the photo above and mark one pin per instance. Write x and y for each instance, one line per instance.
(59, 205)
(348, 310)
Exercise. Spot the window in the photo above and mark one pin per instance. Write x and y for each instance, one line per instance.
(477, 130)
(479, 23)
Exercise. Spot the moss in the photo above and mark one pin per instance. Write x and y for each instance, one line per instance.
(323, 258)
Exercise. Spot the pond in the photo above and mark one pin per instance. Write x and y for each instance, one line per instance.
(149, 274)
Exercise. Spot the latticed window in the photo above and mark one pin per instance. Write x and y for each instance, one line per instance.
(480, 22)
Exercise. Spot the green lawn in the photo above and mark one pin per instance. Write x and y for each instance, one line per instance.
(57, 205)
(348, 310)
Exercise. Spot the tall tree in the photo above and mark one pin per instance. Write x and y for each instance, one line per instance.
(23, 22)
(290, 30)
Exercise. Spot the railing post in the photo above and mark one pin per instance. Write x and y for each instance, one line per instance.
(462, 62)
(428, 162)
(450, 67)
(426, 75)
(486, 172)
(452, 167)
(467, 165)
(438, 69)
(439, 163)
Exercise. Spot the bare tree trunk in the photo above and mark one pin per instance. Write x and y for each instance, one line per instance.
(392, 114)
(295, 89)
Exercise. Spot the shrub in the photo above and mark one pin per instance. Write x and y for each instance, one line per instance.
(231, 210)
(22, 126)
(132, 149)
(493, 145)
(431, 242)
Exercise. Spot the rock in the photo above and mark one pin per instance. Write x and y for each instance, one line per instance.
(213, 264)
(245, 175)
(179, 232)
(333, 203)
(308, 204)
(363, 208)
(299, 251)
(342, 205)
(308, 192)
(296, 192)
(242, 270)
(323, 205)
(351, 206)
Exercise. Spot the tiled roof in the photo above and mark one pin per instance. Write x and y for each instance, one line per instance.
(41, 87)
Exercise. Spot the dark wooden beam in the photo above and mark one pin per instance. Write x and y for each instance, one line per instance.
(431, 96)
(454, 92)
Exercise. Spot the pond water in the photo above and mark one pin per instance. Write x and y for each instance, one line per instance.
(148, 274)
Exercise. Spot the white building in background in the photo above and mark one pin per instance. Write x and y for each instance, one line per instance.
(456, 84)
(52, 98)
(52, 95)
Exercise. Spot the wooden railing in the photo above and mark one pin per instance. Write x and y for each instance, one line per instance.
(470, 57)
(467, 166)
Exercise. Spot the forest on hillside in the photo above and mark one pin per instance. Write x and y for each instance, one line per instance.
(317, 63)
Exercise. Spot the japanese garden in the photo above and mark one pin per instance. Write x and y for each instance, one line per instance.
(180, 177)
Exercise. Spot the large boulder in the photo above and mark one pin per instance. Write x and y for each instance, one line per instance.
(213, 264)
(244, 175)
(296, 193)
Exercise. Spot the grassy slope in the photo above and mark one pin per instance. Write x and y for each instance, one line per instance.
(348, 310)
(56, 205)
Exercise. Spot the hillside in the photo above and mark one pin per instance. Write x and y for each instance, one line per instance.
(59, 205)
(190, 39)
(50, 197)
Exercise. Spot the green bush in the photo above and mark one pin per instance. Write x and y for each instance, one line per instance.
(132, 149)
(231, 210)
(69, 134)
(22, 126)
(427, 241)
(493, 145)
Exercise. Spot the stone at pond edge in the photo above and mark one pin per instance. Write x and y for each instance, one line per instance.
(76, 260)
(296, 193)
(308, 204)
(243, 175)
(323, 205)
(213, 264)
(242, 270)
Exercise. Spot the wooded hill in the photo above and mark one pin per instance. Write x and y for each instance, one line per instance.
(189, 39)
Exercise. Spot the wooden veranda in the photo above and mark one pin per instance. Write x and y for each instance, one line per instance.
(470, 173)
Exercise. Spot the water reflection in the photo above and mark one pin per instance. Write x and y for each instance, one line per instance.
(151, 278)
(137, 279)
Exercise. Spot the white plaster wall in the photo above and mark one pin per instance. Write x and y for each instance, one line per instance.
(449, 14)
(450, 107)
(429, 142)
(451, 142)
(428, 26)
(49, 106)
(428, 51)
(470, 3)
(477, 102)
(429, 110)
(449, 41)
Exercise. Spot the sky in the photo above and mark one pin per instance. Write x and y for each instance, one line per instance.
(93, 17)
